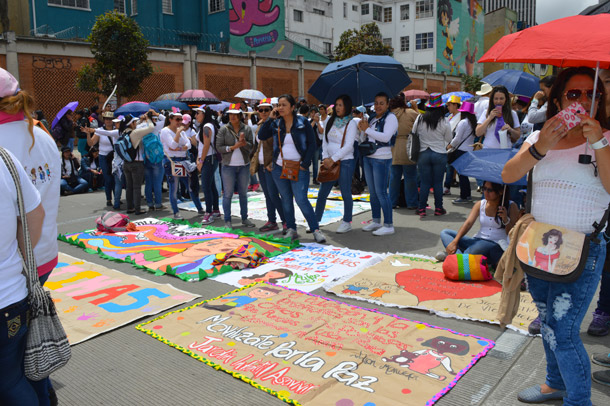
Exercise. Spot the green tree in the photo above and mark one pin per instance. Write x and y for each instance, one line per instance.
(367, 40)
(119, 49)
(471, 83)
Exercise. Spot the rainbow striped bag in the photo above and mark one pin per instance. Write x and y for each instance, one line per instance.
(466, 267)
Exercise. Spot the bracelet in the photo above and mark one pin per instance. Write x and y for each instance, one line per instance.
(507, 221)
(534, 152)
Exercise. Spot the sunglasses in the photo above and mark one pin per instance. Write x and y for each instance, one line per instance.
(264, 110)
(487, 189)
(575, 94)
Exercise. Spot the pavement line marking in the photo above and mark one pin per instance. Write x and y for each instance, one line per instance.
(76, 220)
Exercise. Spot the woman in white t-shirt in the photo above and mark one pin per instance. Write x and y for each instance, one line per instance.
(572, 195)
(207, 162)
(499, 109)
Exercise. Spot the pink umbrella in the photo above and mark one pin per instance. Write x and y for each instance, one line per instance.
(198, 96)
(416, 94)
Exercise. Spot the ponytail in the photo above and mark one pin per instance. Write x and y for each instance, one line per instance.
(20, 102)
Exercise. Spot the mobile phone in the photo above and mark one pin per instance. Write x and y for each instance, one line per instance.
(569, 117)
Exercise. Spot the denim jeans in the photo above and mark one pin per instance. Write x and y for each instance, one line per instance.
(153, 176)
(603, 303)
(82, 146)
(410, 174)
(15, 388)
(172, 183)
(315, 162)
(562, 308)
(464, 181)
(134, 175)
(296, 190)
(208, 184)
(377, 172)
(431, 166)
(272, 196)
(345, 184)
(119, 181)
(82, 186)
(230, 176)
(449, 171)
(474, 245)
(106, 167)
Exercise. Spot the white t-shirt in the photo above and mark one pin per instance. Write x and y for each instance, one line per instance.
(491, 141)
(454, 120)
(389, 129)
(212, 140)
(464, 135)
(481, 106)
(289, 150)
(43, 166)
(105, 146)
(13, 286)
(323, 124)
(333, 149)
(490, 229)
(167, 139)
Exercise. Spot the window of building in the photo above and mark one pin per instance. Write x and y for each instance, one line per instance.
(134, 7)
(216, 6)
(119, 5)
(82, 4)
(424, 67)
(327, 48)
(355, 8)
(308, 42)
(387, 14)
(387, 41)
(404, 12)
(424, 8)
(404, 44)
(377, 11)
(318, 11)
(344, 10)
(424, 40)
(364, 9)
(166, 6)
(298, 16)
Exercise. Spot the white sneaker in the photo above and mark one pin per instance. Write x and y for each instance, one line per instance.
(292, 234)
(384, 230)
(372, 226)
(344, 227)
(319, 237)
(177, 216)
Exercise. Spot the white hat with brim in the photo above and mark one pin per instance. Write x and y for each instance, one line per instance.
(234, 109)
(132, 120)
(118, 119)
(173, 114)
(485, 88)
(200, 108)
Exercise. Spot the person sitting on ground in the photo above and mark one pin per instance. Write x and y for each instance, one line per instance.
(90, 169)
(71, 183)
(497, 215)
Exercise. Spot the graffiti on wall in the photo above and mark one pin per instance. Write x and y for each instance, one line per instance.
(258, 26)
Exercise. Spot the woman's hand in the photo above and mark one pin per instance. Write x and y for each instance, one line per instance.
(495, 113)
(363, 125)
(506, 127)
(451, 248)
(503, 214)
(328, 163)
(591, 129)
(553, 131)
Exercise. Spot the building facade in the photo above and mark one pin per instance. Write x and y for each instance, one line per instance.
(526, 9)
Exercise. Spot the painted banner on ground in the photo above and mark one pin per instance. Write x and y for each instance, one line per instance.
(257, 209)
(311, 350)
(408, 280)
(92, 299)
(312, 193)
(305, 268)
(178, 249)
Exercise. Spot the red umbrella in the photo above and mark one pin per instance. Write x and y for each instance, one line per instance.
(198, 96)
(416, 94)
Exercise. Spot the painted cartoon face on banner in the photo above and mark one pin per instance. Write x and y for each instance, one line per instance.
(256, 25)
(459, 36)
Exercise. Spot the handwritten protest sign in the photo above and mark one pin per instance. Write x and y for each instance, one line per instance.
(92, 299)
(310, 350)
(418, 282)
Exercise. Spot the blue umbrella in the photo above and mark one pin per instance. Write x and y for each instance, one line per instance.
(70, 106)
(516, 81)
(486, 164)
(462, 95)
(360, 77)
(135, 108)
(168, 104)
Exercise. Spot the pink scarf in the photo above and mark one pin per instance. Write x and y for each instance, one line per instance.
(9, 118)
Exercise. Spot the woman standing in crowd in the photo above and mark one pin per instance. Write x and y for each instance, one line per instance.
(234, 142)
(207, 162)
(295, 141)
(434, 136)
(71, 182)
(381, 129)
(262, 162)
(153, 171)
(572, 195)
(90, 169)
(338, 149)
(499, 109)
(453, 117)
(462, 142)
(401, 165)
(176, 145)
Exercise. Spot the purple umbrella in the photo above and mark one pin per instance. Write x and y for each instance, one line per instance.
(70, 106)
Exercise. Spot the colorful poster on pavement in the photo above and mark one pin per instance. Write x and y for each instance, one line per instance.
(312, 193)
(92, 299)
(310, 350)
(305, 268)
(408, 280)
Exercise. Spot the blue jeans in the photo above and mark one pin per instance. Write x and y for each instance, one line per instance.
(272, 196)
(82, 186)
(208, 184)
(15, 388)
(296, 190)
(410, 184)
(172, 183)
(431, 166)
(106, 167)
(230, 176)
(345, 184)
(562, 308)
(603, 303)
(377, 173)
(315, 162)
(119, 181)
(474, 246)
(153, 178)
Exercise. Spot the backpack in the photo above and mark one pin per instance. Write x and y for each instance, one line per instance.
(124, 148)
(112, 222)
(153, 149)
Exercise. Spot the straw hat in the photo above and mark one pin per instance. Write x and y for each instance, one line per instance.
(435, 100)
(485, 89)
(108, 114)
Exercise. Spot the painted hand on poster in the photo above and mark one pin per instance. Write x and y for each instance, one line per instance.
(246, 13)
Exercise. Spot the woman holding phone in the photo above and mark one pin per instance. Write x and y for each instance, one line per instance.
(499, 111)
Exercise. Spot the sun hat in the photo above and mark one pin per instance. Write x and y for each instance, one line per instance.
(8, 84)
(175, 114)
(108, 114)
(435, 100)
(274, 100)
(485, 88)
(234, 109)
(454, 99)
(118, 119)
(130, 119)
(265, 103)
(200, 108)
(467, 107)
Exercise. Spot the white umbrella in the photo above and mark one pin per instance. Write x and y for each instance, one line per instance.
(251, 94)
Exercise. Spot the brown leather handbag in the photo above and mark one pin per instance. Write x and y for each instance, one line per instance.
(290, 169)
(332, 174)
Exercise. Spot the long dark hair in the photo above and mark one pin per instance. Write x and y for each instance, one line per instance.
(433, 116)
(507, 110)
(208, 117)
(398, 102)
(471, 119)
(500, 191)
(123, 124)
(347, 104)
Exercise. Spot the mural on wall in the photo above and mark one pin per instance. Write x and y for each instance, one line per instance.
(459, 36)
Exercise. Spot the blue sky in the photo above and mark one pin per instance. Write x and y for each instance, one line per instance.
(548, 10)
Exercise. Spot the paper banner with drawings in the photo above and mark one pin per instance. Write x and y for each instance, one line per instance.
(305, 268)
(92, 299)
(175, 248)
(311, 350)
(415, 281)
(312, 193)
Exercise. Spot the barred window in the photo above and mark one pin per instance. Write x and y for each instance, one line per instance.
(424, 40)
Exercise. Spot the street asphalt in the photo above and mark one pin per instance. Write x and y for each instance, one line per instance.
(127, 367)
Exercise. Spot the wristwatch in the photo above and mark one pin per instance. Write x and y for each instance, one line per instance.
(600, 144)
